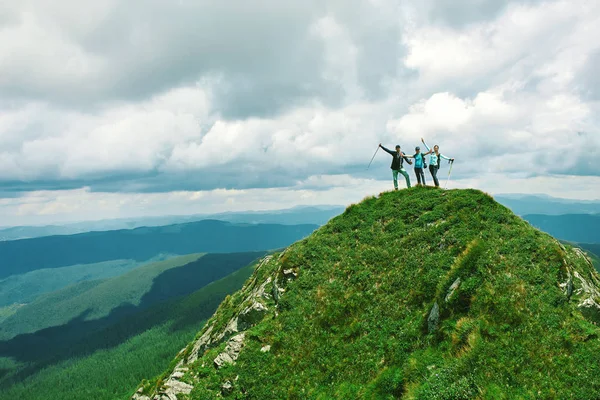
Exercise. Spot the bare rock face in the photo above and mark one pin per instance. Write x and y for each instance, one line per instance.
(250, 311)
(232, 351)
(173, 387)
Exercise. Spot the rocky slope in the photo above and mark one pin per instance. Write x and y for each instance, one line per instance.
(417, 294)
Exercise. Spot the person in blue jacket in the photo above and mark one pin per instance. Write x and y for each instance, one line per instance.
(420, 165)
(435, 160)
(397, 165)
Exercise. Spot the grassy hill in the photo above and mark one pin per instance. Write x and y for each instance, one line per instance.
(417, 294)
(111, 362)
(142, 244)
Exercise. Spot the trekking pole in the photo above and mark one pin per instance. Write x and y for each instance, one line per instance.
(373, 157)
(451, 164)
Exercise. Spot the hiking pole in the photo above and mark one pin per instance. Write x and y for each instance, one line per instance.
(373, 157)
(451, 164)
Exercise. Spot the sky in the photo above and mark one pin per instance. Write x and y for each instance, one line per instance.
(113, 109)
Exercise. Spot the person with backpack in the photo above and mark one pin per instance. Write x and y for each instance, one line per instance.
(435, 161)
(398, 165)
(420, 166)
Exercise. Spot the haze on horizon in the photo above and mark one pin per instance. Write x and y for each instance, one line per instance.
(115, 109)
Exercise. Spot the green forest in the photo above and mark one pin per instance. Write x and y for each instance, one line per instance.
(113, 361)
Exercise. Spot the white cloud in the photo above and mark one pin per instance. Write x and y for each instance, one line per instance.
(296, 99)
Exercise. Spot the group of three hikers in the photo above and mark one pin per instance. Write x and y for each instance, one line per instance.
(420, 164)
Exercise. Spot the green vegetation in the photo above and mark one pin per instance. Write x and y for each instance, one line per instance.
(354, 322)
(112, 371)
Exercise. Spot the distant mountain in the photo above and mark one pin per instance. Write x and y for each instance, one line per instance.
(109, 363)
(542, 204)
(317, 215)
(581, 228)
(141, 244)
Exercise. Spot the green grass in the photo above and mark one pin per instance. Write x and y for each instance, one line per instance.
(26, 287)
(353, 325)
(113, 372)
(95, 298)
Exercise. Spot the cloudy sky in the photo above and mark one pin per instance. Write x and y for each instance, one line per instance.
(118, 108)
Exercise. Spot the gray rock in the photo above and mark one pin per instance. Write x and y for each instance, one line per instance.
(266, 348)
(251, 315)
(452, 289)
(175, 387)
(223, 359)
(226, 388)
(177, 375)
(289, 274)
(569, 288)
(434, 318)
(231, 353)
(275, 292)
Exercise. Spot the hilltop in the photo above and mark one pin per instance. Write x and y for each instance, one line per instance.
(416, 294)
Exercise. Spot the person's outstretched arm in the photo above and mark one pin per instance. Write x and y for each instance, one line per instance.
(387, 150)
(406, 158)
(427, 147)
(446, 158)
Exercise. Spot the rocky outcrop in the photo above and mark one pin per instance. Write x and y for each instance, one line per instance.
(251, 315)
(452, 289)
(250, 310)
(172, 388)
(227, 388)
(434, 318)
(232, 351)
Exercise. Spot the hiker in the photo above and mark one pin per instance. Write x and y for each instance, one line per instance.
(397, 165)
(420, 165)
(435, 161)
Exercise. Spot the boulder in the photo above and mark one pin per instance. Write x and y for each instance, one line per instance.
(231, 352)
(434, 318)
(226, 388)
(289, 274)
(569, 288)
(251, 315)
(452, 289)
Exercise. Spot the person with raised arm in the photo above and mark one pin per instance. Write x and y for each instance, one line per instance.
(398, 165)
(435, 161)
